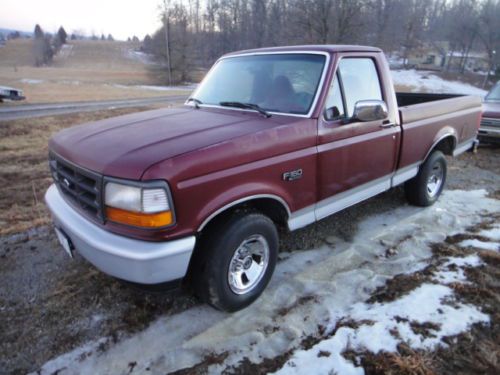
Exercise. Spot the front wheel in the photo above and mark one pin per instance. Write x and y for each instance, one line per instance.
(238, 261)
(426, 187)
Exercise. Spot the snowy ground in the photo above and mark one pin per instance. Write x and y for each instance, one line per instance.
(31, 81)
(424, 81)
(319, 295)
(142, 57)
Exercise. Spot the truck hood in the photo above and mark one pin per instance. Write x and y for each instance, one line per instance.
(126, 146)
(491, 109)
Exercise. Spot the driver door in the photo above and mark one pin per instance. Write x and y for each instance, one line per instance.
(355, 159)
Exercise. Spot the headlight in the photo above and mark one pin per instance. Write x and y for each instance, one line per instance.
(141, 205)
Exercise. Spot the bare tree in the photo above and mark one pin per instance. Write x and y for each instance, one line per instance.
(489, 32)
(196, 32)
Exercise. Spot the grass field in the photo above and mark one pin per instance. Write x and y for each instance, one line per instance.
(82, 70)
(24, 173)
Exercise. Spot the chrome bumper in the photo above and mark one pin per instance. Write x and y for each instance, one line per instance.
(133, 260)
(489, 131)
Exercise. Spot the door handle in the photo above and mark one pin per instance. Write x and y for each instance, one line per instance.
(388, 125)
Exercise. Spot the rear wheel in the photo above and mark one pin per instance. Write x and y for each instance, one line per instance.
(426, 187)
(238, 260)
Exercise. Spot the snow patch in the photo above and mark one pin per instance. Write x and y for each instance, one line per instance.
(65, 51)
(392, 325)
(140, 56)
(494, 246)
(452, 270)
(310, 289)
(429, 82)
(493, 233)
(31, 81)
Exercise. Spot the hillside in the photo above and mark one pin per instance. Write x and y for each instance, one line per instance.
(82, 70)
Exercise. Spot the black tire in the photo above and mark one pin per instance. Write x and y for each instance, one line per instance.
(418, 190)
(211, 280)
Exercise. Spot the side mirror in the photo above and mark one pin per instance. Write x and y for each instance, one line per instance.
(370, 110)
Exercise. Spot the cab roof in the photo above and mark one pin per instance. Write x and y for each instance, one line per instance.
(329, 48)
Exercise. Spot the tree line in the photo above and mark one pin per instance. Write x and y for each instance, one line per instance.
(195, 33)
(46, 45)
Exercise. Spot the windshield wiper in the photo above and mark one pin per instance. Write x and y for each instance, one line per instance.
(197, 102)
(255, 107)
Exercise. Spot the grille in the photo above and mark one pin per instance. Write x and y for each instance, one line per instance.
(490, 122)
(80, 186)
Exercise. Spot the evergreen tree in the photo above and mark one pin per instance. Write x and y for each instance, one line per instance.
(38, 32)
(62, 35)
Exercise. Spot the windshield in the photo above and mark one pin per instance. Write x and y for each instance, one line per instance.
(285, 83)
(494, 94)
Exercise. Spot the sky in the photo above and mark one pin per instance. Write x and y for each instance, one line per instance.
(121, 18)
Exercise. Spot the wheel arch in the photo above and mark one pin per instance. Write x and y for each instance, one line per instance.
(271, 205)
(445, 141)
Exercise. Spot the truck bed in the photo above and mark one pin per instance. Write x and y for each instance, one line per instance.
(430, 117)
(409, 98)
(420, 106)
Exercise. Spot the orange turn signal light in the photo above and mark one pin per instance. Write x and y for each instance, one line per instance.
(139, 219)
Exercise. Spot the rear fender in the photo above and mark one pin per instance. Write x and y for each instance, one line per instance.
(445, 133)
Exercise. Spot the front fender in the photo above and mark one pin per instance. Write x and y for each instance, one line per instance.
(239, 194)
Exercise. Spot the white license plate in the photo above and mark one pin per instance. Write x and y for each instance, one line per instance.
(65, 242)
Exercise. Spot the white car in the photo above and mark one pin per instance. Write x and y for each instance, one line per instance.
(10, 93)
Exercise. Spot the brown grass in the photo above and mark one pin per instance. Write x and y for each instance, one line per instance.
(405, 362)
(24, 173)
(87, 70)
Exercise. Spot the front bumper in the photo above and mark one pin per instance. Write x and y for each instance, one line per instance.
(125, 258)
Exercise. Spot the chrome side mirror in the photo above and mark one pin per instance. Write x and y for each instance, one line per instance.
(370, 110)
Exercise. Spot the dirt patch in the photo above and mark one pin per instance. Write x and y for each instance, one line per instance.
(67, 305)
(301, 301)
(201, 368)
(401, 285)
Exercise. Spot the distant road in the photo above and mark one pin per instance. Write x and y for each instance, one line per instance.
(14, 112)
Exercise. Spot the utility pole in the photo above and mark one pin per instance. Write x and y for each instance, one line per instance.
(490, 68)
(166, 25)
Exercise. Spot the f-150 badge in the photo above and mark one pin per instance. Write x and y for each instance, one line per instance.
(292, 175)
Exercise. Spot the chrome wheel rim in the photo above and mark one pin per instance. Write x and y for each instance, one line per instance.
(435, 180)
(248, 264)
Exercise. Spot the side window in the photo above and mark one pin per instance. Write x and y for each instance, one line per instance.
(359, 80)
(334, 107)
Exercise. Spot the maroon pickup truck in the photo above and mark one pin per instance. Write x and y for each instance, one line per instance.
(489, 131)
(271, 137)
